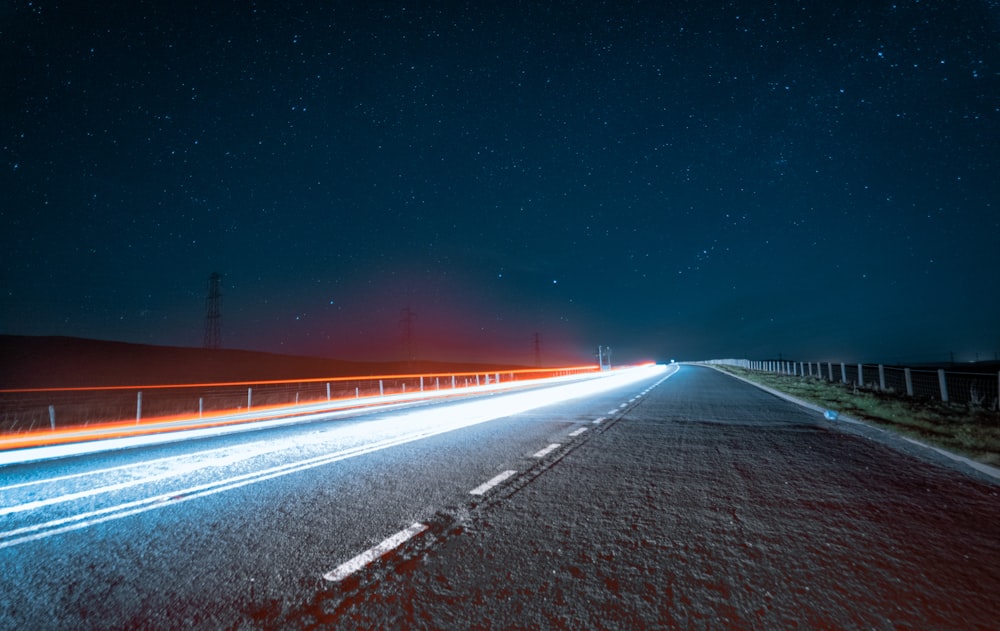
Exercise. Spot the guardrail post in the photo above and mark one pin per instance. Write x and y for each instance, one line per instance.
(453, 382)
(52, 416)
(497, 380)
(909, 382)
(943, 385)
(249, 396)
(201, 405)
(477, 379)
(381, 390)
(437, 383)
(138, 407)
(421, 383)
(327, 390)
(843, 373)
(881, 377)
(829, 370)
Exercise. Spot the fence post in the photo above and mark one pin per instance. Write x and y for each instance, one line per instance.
(327, 390)
(52, 416)
(453, 382)
(861, 375)
(843, 373)
(381, 390)
(138, 407)
(437, 383)
(829, 370)
(943, 385)
(477, 379)
(909, 382)
(497, 380)
(249, 396)
(421, 383)
(881, 377)
(201, 404)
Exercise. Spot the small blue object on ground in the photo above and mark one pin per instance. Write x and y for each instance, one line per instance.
(831, 415)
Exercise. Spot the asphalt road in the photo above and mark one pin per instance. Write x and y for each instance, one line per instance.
(230, 530)
(699, 503)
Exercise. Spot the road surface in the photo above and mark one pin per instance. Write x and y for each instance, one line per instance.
(694, 501)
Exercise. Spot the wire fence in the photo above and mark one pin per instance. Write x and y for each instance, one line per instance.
(978, 389)
(27, 410)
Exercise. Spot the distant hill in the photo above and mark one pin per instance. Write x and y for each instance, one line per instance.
(65, 362)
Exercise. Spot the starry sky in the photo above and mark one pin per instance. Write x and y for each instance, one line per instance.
(682, 179)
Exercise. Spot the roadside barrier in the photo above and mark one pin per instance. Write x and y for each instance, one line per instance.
(976, 389)
(34, 409)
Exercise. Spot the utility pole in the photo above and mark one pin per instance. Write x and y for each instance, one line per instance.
(213, 312)
(407, 316)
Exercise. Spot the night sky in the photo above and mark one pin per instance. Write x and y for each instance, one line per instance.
(672, 179)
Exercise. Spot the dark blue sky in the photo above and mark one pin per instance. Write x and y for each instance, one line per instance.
(672, 179)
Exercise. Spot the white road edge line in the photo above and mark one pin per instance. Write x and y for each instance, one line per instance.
(486, 486)
(577, 432)
(546, 451)
(346, 569)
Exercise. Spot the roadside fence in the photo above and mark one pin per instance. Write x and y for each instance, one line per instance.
(27, 410)
(977, 389)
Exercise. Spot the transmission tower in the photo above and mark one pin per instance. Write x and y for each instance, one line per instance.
(407, 316)
(213, 312)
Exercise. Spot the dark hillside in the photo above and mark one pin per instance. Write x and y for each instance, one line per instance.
(63, 362)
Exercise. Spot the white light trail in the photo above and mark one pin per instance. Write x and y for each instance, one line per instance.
(96, 495)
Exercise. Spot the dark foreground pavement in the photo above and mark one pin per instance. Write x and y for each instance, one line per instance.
(708, 504)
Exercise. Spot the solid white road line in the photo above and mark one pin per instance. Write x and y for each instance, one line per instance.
(547, 450)
(346, 569)
(578, 431)
(486, 486)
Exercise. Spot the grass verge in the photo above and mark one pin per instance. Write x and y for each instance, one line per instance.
(968, 430)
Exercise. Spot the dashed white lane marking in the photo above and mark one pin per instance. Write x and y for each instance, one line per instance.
(547, 450)
(346, 569)
(486, 486)
(578, 431)
(598, 420)
(623, 405)
(613, 411)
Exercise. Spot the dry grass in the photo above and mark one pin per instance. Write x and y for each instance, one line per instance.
(964, 429)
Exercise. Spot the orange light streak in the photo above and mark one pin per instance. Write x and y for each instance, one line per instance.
(519, 371)
(222, 418)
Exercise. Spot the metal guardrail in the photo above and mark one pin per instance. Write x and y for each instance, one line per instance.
(34, 409)
(970, 388)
